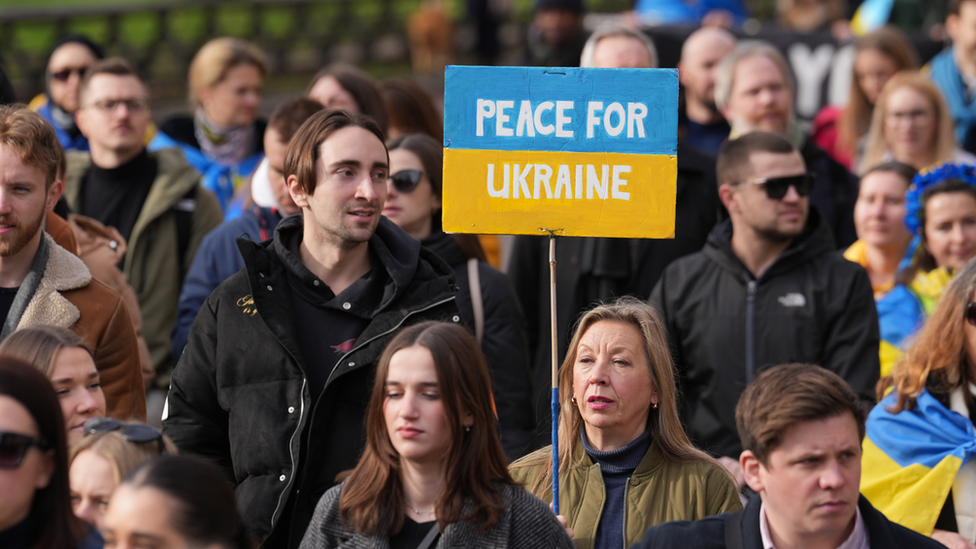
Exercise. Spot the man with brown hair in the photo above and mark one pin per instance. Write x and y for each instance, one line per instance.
(767, 288)
(801, 428)
(153, 198)
(277, 372)
(218, 257)
(41, 282)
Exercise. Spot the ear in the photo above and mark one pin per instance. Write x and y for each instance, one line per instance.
(952, 26)
(751, 468)
(435, 203)
(54, 194)
(726, 193)
(297, 193)
(81, 121)
(46, 471)
(681, 73)
(467, 420)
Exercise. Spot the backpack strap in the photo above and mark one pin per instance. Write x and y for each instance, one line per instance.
(733, 531)
(477, 303)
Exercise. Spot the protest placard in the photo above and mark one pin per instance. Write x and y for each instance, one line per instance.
(577, 152)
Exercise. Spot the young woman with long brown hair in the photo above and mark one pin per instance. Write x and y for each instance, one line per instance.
(433, 473)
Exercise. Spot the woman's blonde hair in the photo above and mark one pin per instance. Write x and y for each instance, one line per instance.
(39, 345)
(663, 422)
(216, 58)
(938, 353)
(122, 454)
(877, 144)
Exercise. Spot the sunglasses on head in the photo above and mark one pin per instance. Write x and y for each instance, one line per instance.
(405, 181)
(971, 313)
(132, 432)
(14, 446)
(777, 187)
(64, 75)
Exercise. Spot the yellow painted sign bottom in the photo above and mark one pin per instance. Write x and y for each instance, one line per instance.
(575, 194)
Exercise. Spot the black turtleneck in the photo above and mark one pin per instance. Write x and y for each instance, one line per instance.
(115, 196)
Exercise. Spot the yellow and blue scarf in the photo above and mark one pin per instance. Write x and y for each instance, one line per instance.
(911, 458)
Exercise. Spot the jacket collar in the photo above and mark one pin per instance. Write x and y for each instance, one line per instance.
(64, 271)
(815, 240)
(879, 529)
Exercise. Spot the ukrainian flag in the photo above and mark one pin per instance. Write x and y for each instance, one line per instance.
(911, 458)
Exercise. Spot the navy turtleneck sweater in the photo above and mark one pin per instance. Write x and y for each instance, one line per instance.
(616, 466)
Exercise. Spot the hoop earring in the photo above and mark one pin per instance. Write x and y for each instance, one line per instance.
(573, 400)
(655, 406)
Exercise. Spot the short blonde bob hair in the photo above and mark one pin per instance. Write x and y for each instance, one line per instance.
(216, 58)
(122, 455)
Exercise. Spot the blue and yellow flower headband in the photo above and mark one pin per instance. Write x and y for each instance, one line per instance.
(927, 178)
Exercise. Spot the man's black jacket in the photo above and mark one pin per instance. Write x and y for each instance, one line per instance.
(709, 533)
(724, 325)
(240, 395)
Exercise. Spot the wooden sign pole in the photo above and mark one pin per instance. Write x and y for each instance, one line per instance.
(555, 372)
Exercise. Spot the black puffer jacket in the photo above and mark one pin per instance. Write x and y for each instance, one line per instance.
(503, 343)
(811, 306)
(240, 395)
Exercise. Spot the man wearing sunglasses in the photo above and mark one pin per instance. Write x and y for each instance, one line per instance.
(755, 92)
(277, 372)
(768, 288)
(69, 59)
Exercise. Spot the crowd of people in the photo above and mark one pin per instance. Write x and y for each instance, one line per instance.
(229, 332)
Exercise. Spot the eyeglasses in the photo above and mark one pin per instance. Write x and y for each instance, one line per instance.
(132, 432)
(108, 106)
(777, 187)
(908, 116)
(14, 446)
(971, 313)
(65, 74)
(405, 181)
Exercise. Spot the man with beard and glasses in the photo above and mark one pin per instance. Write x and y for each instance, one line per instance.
(701, 124)
(754, 90)
(154, 199)
(277, 372)
(41, 282)
(767, 288)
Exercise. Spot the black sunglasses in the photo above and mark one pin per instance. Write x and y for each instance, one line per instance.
(777, 187)
(14, 446)
(971, 313)
(405, 181)
(64, 75)
(132, 432)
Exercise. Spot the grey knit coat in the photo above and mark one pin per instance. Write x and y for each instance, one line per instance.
(527, 523)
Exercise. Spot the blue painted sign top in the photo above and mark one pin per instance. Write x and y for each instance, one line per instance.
(561, 109)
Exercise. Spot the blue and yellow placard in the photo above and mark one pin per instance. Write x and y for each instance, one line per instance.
(580, 152)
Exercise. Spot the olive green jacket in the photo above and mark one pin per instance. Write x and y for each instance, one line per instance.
(151, 264)
(658, 491)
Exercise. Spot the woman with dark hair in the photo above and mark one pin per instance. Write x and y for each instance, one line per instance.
(341, 86)
(485, 297)
(184, 502)
(35, 512)
(625, 462)
(433, 472)
(840, 131)
(882, 238)
(941, 216)
(224, 137)
(411, 109)
(918, 467)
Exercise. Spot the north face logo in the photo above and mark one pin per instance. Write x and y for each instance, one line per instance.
(793, 300)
